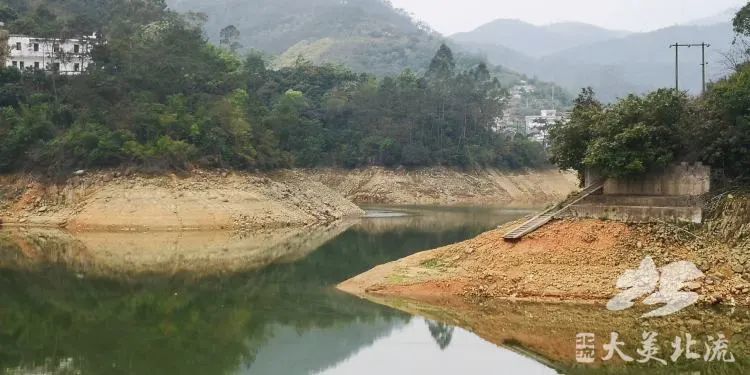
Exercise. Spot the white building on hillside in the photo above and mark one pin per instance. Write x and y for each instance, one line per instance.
(537, 127)
(65, 56)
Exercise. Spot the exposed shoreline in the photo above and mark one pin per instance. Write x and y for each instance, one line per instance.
(222, 200)
(449, 186)
(110, 201)
(571, 261)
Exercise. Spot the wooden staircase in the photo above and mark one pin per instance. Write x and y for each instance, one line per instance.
(545, 217)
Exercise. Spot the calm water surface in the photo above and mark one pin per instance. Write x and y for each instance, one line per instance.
(60, 315)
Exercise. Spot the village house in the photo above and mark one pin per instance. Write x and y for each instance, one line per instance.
(537, 126)
(65, 56)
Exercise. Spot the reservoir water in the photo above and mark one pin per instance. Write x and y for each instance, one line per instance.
(267, 304)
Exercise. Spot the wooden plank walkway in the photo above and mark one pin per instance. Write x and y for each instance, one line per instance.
(545, 217)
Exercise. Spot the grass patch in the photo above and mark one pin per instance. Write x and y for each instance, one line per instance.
(435, 264)
(397, 279)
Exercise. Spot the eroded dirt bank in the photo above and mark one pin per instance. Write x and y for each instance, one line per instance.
(573, 260)
(448, 186)
(109, 201)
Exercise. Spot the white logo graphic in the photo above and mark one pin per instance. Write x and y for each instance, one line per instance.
(644, 281)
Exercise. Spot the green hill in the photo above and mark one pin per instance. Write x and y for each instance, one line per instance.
(365, 35)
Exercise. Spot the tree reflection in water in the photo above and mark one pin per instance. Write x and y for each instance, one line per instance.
(441, 332)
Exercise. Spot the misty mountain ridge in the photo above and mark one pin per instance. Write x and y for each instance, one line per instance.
(537, 41)
(372, 36)
(368, 36)
(613, 63)
(723, 17)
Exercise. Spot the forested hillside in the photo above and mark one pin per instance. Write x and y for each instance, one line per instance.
(160, 96)
(365, 35)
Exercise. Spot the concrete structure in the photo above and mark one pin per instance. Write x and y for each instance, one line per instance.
(633, 209)
(65, 56)
(672, 195)
(687, 180)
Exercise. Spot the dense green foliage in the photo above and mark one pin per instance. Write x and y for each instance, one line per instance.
(633, 136)
(160, 96)
(724, 132)
(741, 21)
(637, 135)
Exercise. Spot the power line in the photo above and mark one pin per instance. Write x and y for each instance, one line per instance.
(677, 61)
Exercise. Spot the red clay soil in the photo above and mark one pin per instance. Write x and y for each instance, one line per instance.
(570, 260)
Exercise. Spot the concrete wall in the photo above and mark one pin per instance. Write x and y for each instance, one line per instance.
(635, 214)
(684, 179)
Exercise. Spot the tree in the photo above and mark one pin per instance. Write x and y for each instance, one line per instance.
(723, 134)
(442, 66)
(229, 38)
(741, 21)
(569, 140)
(631, 137)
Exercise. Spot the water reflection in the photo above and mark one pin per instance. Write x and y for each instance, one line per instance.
(95, 303)
(198, 253)
(547, 333)
(441, 332)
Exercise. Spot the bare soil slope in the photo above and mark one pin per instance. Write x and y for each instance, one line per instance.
(203, 200)
(448, 186)
(571, 260)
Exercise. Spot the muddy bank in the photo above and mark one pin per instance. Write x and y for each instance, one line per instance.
(109, 201)
(570, 260)
(448, 186)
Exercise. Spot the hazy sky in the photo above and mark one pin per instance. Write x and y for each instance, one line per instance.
(451, 16)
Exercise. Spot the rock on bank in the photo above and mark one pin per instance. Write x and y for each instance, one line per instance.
(448, 186)
(202, 200)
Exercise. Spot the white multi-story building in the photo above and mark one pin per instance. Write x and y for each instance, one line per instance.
(65, 56)
(537, 126)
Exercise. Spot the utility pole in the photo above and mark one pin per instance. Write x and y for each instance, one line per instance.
(704, 63)
(677, 61)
